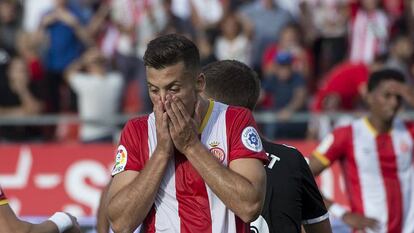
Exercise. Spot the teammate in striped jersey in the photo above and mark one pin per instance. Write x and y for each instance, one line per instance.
(376, 155)
(292, 196)
(9, 223)
(193, 165)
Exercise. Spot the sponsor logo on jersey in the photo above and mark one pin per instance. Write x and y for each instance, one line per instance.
(251, 139)
(217, 152)
(120, 160)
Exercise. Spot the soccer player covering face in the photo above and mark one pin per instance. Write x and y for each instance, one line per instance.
(58, 223)
(292, 196)
(193, 165)
(376, 155)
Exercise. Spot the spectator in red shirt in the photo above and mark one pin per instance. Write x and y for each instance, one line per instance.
(289, 42)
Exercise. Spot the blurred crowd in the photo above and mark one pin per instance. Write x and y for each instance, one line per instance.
(85, 57)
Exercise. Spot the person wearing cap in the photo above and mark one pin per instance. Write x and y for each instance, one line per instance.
(285, 92)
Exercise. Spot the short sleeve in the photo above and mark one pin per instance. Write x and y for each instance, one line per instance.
(130, 154)
(77, 81)
(243, 137)
(313, 207)
(333, 146)
(3, 199)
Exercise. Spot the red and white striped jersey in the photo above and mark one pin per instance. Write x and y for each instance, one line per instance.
(369, 35)
(3, 199)
(184, 202)
(378, 171)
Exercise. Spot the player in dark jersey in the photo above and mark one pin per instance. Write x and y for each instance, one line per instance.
(292, 196)
(58, 223)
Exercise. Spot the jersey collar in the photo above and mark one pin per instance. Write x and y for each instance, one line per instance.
(207, 116)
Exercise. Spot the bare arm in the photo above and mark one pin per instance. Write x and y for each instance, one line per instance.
(131, 194)
(241, 187)
(102, 223)
(320, 227)
(11, 224)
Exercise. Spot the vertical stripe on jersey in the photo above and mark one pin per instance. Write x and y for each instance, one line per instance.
(350, 170)
(218, 210)
(370, 176)
(388, 163)
(403, 147)
(166, 196)
(193, 203)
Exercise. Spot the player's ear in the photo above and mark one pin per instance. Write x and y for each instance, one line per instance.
(200, 83)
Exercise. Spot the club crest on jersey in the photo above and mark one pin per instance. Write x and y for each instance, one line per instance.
(251, 139)
(120, 160)
(217, 152)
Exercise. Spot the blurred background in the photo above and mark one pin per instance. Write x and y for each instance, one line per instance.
(71, 75)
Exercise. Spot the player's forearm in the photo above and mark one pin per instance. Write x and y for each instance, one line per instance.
(102, 223)
(129, 207)
(45, 227)
(320, 227)
(236, 192)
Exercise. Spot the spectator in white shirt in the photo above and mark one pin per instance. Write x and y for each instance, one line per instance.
(98, 93)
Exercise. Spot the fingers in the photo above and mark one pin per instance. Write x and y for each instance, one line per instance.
(175, 121)
(158, 108)
(179, 109)
(371, 223)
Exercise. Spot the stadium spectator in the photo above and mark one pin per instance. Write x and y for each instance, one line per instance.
(369, 32)
(376, 154)
(33, 11)
(234, 40)
(287, 93)
(59, 223)
(99, 94)
(401, 52)
(20, 98)
(203, 14)
(268, 20)
(299, 201)
(67, 36)
(289, 41)
(206, 49)
(172, 170)
(341, 90)
(28, 48)
(329, 19)
(10, 23)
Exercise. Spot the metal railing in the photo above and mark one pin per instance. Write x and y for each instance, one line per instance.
(261, 117)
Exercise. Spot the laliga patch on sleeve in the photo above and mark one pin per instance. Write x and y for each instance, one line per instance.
(251, 139)
(120, 160)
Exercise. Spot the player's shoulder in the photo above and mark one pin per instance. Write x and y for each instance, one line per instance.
(237, 110)
(136, 123)
(282, 150)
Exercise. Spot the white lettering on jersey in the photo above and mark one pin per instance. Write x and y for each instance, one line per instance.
(251, 139)
(273, 160)
(120, 160)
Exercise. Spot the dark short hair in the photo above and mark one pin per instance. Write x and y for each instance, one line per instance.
(171, 49)
(232, 82)
(384, 75)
